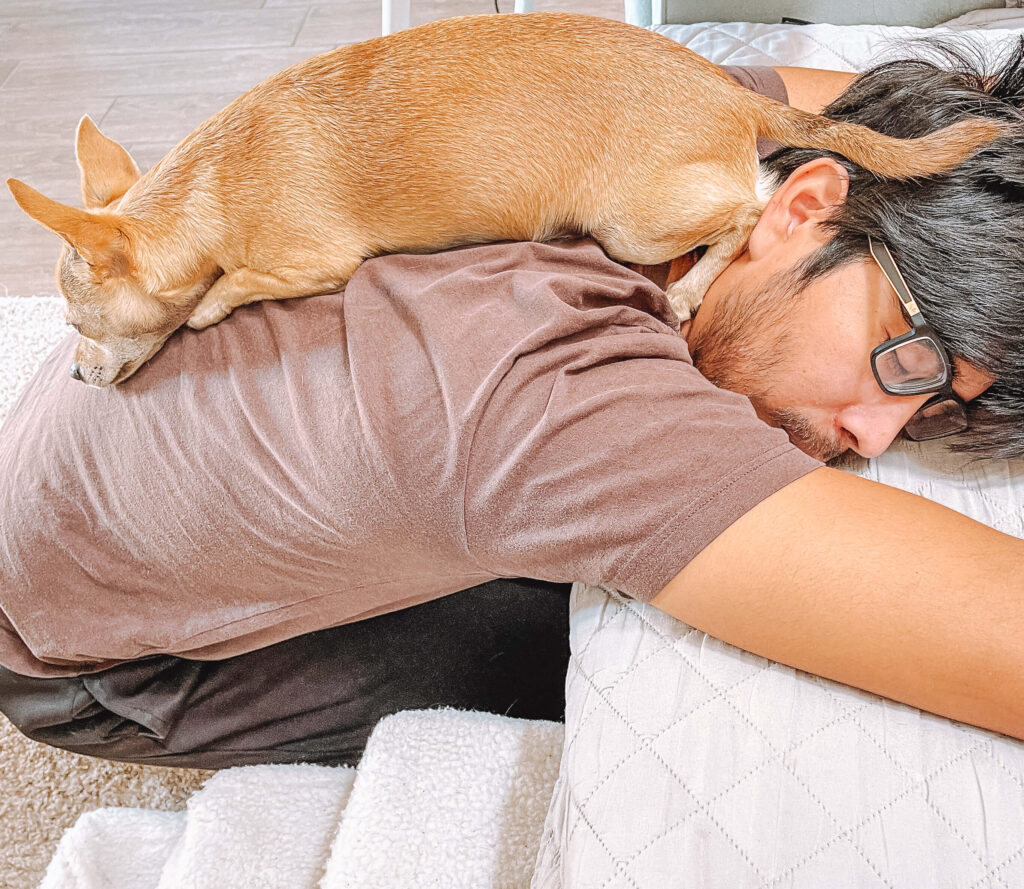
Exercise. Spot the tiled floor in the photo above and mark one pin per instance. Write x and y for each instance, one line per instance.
(148, 72)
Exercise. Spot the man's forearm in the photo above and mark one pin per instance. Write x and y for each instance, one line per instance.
(813, 88)
(874, 587)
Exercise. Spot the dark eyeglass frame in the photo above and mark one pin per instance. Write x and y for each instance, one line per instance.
(921, 329)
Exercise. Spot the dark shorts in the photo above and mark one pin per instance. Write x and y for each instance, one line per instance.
(502, 647)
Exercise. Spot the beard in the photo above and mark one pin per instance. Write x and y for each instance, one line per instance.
(747, 344)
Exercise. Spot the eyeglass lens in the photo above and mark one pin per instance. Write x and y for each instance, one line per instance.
(911, 367)
(939, 417)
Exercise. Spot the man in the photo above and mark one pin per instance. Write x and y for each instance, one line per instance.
(526, 410)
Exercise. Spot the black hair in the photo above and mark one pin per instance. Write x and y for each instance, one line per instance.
(958, 239)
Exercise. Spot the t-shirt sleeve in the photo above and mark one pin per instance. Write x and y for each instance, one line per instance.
(761, 79)
(604, 456)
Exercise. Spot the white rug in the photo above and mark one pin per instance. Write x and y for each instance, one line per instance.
(30, 327)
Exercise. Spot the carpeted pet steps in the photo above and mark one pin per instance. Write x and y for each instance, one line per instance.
(442, 798)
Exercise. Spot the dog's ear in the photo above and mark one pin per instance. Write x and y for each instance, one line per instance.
(108, 171)
(97, 237)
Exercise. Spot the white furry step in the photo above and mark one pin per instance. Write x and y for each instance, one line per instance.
(442, 798)
(448, 799)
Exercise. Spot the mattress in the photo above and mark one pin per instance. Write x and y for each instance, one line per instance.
(688, 762)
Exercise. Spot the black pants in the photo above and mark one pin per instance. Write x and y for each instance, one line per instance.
(502, 647)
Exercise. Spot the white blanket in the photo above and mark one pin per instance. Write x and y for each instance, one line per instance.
(835, 47)
(442, 798)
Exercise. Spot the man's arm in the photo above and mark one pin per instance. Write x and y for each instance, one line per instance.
(813, 88)
(873, 587)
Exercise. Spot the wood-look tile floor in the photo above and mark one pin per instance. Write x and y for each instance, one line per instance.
(148, 72)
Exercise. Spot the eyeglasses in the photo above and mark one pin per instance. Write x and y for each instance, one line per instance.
(916, 363)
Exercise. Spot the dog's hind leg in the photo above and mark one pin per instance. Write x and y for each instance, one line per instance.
(686, 294)
(242, 286)
(690, 205)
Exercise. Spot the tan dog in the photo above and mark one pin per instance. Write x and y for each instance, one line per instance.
(480, 128)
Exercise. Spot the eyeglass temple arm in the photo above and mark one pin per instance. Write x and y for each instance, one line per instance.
(891, 271)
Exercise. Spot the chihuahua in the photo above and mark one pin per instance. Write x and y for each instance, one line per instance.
(470, 129)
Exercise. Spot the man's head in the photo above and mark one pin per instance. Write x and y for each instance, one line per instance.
(792, 322)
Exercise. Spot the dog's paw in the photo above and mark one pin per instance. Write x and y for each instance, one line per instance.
(684, 299)
(206, 314)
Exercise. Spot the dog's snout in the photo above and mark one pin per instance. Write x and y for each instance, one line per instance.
(76, 373)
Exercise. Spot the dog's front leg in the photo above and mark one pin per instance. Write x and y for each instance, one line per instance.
(242, 286)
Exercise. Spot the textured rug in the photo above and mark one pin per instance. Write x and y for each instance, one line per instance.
(43, 790)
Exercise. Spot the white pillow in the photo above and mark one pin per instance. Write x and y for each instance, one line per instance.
(688, 762)
(990, 19)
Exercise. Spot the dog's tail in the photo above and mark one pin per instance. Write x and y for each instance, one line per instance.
(930, 155)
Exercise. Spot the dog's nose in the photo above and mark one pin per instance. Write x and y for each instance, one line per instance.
(76, 374)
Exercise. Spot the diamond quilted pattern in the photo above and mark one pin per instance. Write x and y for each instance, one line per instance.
(701, 764)
(967, 805)
(840, 866)
(934, 855)
(838, 47)
(774, 789)
(836, 784)
(698, 836)
(807, 713)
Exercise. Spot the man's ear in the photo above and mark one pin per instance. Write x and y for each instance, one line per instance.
(108, 171)
(811, 194)
(96, 237)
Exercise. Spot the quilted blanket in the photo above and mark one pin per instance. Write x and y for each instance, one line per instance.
(835, 47)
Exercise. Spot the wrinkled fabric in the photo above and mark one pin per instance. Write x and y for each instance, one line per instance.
(505, 410)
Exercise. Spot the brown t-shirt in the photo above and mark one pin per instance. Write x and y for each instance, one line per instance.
(515, 409)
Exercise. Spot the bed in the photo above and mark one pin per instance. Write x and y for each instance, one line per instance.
(921, 13)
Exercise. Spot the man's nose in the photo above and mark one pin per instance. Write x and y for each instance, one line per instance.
(76, 374)
(875, 428)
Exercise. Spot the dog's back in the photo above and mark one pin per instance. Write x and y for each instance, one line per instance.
(496, 127)
(468, 129)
